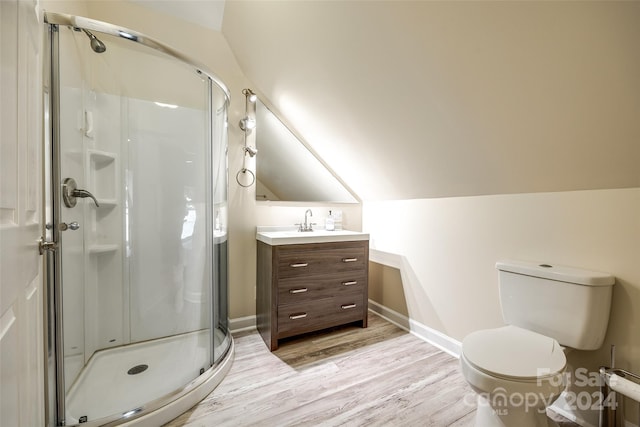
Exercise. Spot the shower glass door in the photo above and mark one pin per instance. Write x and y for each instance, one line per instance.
(142, 238)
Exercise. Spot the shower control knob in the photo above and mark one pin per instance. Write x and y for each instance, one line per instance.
(70, 192)
(71, 226)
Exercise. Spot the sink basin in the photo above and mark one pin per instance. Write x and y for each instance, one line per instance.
(275, 236)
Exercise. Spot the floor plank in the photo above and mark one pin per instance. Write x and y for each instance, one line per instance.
(348, 376)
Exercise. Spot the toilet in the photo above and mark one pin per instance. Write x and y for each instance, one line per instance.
(518, 370)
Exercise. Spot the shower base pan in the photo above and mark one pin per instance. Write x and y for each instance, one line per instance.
(148, 383)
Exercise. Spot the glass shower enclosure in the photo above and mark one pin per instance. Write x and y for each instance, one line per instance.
(136, 202)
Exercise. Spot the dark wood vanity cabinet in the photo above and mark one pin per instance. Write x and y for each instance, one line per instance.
(307, 287)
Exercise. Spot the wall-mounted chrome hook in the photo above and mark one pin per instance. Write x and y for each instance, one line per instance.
(70, 192)
(247, 124)
(250, 151)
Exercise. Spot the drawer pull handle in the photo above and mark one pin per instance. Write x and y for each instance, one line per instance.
(353, 282)
(349, 259)
(298, 265)
(297, 316)
(298, 291)
(348, 306)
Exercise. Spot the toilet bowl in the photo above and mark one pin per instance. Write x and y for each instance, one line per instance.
(518, 370)
(515, 372)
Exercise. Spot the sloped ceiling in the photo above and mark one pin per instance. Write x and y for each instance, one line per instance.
(411, 99)
(207, 13)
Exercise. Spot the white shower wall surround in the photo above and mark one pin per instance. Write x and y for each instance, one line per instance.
(168, 290)
(92, 256)
(165, 290)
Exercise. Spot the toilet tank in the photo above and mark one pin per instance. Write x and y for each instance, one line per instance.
(569, 304)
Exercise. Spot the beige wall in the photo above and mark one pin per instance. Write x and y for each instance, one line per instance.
(452, 245)
(385, 288)
(71, 7)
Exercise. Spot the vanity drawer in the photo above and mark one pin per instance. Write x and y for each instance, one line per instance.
(295, 319)
(296, 262)
(299, 289)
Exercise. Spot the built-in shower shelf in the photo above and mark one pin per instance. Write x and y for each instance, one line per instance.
(101, 158)
(103, 175)
(102, 249)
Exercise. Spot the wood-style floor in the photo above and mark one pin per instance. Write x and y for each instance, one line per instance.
(349, 376)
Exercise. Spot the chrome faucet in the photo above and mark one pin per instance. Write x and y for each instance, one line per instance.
(307, 226)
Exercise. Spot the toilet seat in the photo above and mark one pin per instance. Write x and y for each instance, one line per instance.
(514, 353)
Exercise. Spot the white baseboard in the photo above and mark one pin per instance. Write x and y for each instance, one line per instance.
(436, 338)
(408, 276)
(425, 333)
(400, 320)
(242, 324)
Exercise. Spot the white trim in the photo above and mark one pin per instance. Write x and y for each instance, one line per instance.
(242, 324)
(398, 319)
(425, 333)
(385, 258)
(432, 336)
(436, 338)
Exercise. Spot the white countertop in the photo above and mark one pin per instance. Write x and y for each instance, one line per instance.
(291, 236)
(219, 236)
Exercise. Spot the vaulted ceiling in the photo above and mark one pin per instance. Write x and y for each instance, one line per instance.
(419, 99)
(207, 13)
(410, 99)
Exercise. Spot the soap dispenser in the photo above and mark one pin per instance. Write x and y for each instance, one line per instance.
(329, 223)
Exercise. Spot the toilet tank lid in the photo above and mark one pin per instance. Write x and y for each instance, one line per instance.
(557, 272)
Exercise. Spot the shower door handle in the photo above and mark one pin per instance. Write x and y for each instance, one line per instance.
(70, 192)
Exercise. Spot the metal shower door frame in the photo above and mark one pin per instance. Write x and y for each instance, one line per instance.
(55, 378)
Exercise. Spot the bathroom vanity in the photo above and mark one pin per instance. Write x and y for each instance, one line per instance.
(310, 281)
